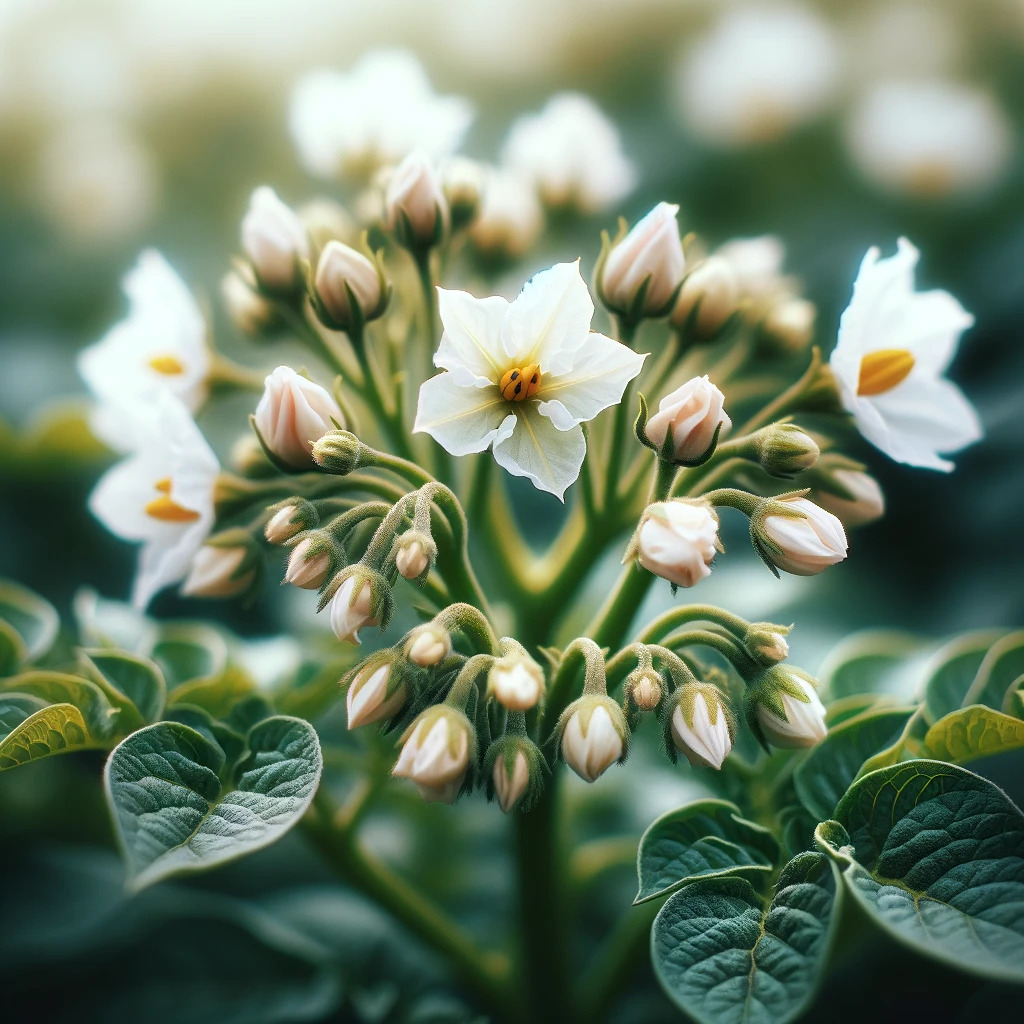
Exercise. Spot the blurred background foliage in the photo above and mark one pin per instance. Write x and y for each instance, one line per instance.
(129, 123)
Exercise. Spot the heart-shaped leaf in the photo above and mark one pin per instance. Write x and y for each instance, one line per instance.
(188, 650)
(935, 855)
(55, 729)
(701, 840)
(973, 732)
(874, 661)
(825, 774)
(179, 808)
(32, 618)
(131, 680)
(724, 957)
(952, 669)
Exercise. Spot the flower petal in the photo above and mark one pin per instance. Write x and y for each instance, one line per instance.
(462, 419)
(598, 380)
(550, 319)
(537, 449)
(471, 346)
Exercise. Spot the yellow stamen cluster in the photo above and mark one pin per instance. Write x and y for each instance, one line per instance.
(881, 371)
(166, 509)
(520, 383)
(168, 365)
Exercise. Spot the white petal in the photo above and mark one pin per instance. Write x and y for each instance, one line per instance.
(598, 380)
(162, 563)
(462, 419)
(471, 346)
(537, 449)
(550, 319)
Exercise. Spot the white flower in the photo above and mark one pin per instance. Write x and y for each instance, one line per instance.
(509, 786)
(274, 239)
(341, 270)
(677, 540)
(351, 609)
(649, 257)
(376, 114)
(572, 153)
(292, 414)
(463, 182)
(929, 138)
(415, 205)
(161, 495)
(307, 566)
(428, 645)
(806, 544)
(214, 572)
(591, 740)
(790, 322)
(695, 413)
(522, 376)
(159, 346)
(761, 71)
(865, 504)
(702, 734)
(510, 216)
(710, 293)
(516, 682)
(894, 346)
(367, 699)
(802, 723)
(435, 754)
(757, 264)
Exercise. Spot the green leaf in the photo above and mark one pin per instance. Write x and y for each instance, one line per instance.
(174, 814)
(12, 649)
(935, 855)
(100, 716)
(32, 618)
(55, 729)
(870, 662)
(973, 732)
(826, 772)
(186, 650)
(725, 958)
(953, 668)
(701, 840)
(217, 694)
(1002, 667)
(132, 679)
(15, 708)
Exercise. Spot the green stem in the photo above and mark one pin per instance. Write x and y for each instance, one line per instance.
(485, 975)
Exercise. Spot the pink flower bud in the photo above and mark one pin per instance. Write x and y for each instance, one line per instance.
(292, 414)
(694, 411)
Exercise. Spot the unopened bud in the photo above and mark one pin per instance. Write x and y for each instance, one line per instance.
(783, 708)
(708, 298)
(789, 324)
(354, 606)
(348, 288)
(676, 540)
(795, 535)
(852, 495)
(767, 642)
(643, 687)
(274, 239)
(516, 681)
(290, 518)
(639, 274)
(511, 783)
(594, 736)
(701, 726)
(436, 751)
(694, 417)
(220, 570)
(428, 645)
(311, 560)
(249, 311)
(415, 206)
(463, 182)
(415, 555)
(784, 449)
(292, 414)
(337, 452)
(374, 694)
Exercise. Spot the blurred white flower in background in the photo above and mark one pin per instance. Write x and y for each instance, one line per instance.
(96, 181)
(159, 347)
(377, 113)
(757, 264)
(911, 38)
(510, 216)
(894, 346)
(161, 495)
(929, 138)
(572, 153)
(760, 72)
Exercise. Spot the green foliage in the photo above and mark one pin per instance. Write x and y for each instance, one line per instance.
(701, 840)
(56, 729)
(28, 626)
(935, 855)
(871, 662)
(953, 670)
(725, 955)
(180, 805)
(136, 683)
(973, 732)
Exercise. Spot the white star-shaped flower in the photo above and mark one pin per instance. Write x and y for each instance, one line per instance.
(894, 346)
(376, 114)
(161, 495)
(522, 376)
(159, 346)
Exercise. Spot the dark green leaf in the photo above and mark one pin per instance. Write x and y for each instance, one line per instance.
(825, 774)
(186, 651)
(174, 815)
(15, 708)
(131, 678)
(32, 618)
(935, 855)
(701, 840)
(217, 694)
(1002, 667)
(725, 958)
(952, 670)
(871, 662)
